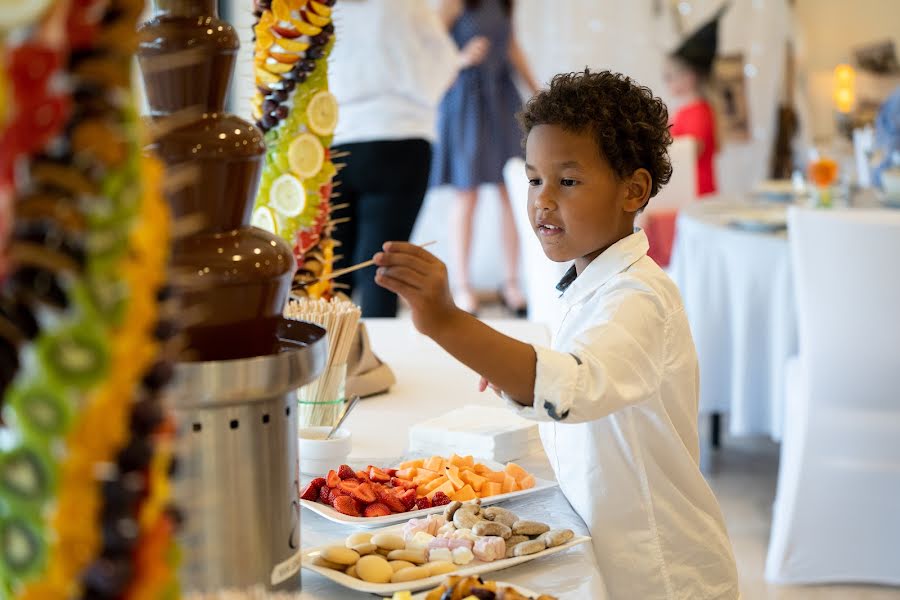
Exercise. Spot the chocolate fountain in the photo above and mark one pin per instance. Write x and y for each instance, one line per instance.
(233, 394)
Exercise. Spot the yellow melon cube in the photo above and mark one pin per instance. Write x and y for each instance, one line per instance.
(509, 484)
(473, 479)
(412, 463)
(445, 487)
(481, 469)
(407, 473)
(457, 461)
(469, 461)
(491, 489)
(437, 483)
(435, 463)
(453, 475)
(526, 482)
(516, 471)
(495, 476)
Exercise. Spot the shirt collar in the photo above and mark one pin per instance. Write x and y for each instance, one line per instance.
(612, 261)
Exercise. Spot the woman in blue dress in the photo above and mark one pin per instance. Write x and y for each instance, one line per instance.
(478, 133)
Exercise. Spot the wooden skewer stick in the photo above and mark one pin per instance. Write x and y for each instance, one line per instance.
(356, 267)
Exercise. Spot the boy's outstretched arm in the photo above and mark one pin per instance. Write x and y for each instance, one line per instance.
(421, 279)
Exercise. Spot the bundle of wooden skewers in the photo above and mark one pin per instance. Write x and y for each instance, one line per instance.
(321, 402)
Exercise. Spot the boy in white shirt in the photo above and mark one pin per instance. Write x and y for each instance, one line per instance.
(617, 395)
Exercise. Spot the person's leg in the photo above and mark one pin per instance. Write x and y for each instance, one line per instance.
(388, 212)
(511, 292)
(463, 221)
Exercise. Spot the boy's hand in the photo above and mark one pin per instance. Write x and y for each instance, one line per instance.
(420, 278)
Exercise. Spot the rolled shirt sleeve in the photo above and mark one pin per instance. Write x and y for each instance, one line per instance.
(602, 369)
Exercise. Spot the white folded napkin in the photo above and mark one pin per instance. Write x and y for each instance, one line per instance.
(483, 431)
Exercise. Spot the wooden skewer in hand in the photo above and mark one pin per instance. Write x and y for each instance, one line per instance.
(355, 267)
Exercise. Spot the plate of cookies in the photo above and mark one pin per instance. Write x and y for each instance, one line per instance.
(466, 540)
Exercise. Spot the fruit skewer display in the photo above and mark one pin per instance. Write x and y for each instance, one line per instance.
(298, 114)
(84, 458)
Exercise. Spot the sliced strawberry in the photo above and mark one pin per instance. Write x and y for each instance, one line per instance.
(364, 493)
(389, 499)
(311, 492)
(440, 499)
(345, 472)
(403, 484)
(408, 499)
(423, 502)
(324, 494)
(362, 475)
(391, 472)
(376, 510)
(332, 479)
(376, 474)
(348, 485)
(334, 494)
(346, 505)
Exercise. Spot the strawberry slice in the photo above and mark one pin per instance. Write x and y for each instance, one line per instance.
(362, 475)
(345, 472)
(323, 494)
(403, 484)
(440, 499)
(391, 472)
(376, 510)
(389, 499)
(408, 499)
(332, 479)
(346, 505)
(364, 493)
(376, 474)
(423, 502)
(348, 485)
(334, 494)
(311, 492)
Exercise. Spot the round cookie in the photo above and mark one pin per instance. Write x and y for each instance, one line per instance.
(321, 562)
(491, 528)
(465, 518)
(440, 567)
(351, 571)
(340, 555)
(396, 565)
(409, 574)
(374, 569)
(389, 541)
(500, 515)
(356, 539)
(556, 537)
(530, 547)
(363, 549)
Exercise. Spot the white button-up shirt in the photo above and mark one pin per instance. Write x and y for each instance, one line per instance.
(617, 400)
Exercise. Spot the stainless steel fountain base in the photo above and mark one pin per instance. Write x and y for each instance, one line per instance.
(237, 480)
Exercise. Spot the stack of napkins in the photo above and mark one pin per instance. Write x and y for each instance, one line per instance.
(482, 431)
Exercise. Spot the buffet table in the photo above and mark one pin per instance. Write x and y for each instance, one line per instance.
(429, 383)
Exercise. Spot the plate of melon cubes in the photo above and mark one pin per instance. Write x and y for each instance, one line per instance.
(376, 497)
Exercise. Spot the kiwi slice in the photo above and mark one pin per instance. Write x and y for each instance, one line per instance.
(25, 477)
(76, 356)
(23, 548)
(105, 295)
(42, 410)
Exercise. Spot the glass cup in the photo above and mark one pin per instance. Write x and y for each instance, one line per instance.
(321, 402)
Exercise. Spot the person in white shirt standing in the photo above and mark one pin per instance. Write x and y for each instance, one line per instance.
(617, 394)
(391, 64)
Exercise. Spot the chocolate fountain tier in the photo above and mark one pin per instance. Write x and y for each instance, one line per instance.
(228, 153)
(235, 283)
(187, 55)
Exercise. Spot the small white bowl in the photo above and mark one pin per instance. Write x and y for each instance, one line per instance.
(318, 455)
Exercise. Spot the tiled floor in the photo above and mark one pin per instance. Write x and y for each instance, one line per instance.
(743, 474)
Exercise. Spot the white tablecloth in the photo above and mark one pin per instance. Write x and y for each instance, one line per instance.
(430, 383)
(738, 293)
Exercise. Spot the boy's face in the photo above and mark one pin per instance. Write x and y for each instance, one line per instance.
(577, 205)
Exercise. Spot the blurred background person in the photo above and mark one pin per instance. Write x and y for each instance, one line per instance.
(478, 134)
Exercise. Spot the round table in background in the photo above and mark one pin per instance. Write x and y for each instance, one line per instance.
(738, 293)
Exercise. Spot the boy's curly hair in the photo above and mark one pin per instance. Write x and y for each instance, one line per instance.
(630, 124)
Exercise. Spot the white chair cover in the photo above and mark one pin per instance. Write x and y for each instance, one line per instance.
(837, 509)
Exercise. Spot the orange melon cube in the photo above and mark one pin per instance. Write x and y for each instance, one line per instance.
(469, 461)
(491, 489)
(509, 484)
(473, 479)
(495, 476)
(516, 471)
(445, 487)
(457, 461)
(464, 494)
(412, 463)
(453, 475)
(435, 463)
(421, 490)
(526, 482)
(422, 477)
(407, 473)
(481, 469)
(439, 482)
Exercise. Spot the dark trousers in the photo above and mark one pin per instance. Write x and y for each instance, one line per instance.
(384, 183)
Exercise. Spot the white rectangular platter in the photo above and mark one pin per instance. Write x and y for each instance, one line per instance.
(370, 522)
(387, 589)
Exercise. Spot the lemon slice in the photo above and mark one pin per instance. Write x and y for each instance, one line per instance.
(306, 155)
(287, 196)
(264, 218)
(322, 113)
